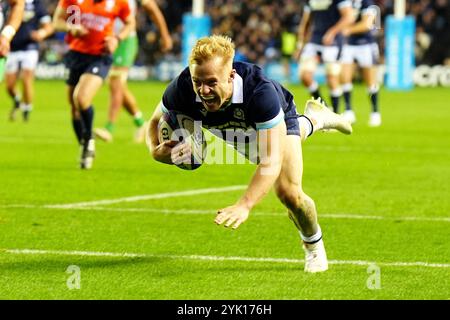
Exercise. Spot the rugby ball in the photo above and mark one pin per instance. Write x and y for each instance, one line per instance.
(179, 127)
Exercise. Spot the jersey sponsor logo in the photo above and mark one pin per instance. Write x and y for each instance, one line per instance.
(94, 22)
(318, 5)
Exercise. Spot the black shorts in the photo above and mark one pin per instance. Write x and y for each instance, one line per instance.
(80, 63)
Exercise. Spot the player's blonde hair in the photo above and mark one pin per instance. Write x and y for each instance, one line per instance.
(213, 46)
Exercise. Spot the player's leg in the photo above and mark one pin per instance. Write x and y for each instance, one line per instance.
(84, 94)
(330, 56)
(301, 208)
(29, 63)
(77, 123)
(369, 72)
(11, 76)
(308, 66)
(116, 81)
(130, 104)
(28, 92)
(347, 79)
(123, 59)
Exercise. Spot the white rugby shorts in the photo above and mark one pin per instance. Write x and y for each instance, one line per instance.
(26, 59)
(365, 55)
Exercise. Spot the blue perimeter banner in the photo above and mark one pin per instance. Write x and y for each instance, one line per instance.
(399, 54)
(194, 28)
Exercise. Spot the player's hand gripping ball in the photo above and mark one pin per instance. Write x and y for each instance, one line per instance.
(179, 127)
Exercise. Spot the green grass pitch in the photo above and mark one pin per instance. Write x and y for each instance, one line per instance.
(383, 197)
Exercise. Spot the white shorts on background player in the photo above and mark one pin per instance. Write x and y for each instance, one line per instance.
(365, 55)
(329, 54)
(26, 59)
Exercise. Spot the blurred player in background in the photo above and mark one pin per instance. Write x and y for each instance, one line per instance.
(361, 48)
(89, 26)
(123, 60)
(237, 96)
(322, 23)
(9, 26)
(24, 56)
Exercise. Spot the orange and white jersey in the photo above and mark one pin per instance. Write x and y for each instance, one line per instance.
(98, 17)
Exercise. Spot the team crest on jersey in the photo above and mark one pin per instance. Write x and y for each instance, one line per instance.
(203, 111)
(239, 114)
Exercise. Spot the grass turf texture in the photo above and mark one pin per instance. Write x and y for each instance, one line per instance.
(382, 175)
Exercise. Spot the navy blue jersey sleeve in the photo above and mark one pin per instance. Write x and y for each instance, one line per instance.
(170, 97)
(265, 107)
(178, 93)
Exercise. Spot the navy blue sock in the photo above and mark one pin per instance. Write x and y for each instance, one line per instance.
(347, 99)
(335, 103)
(88, 119)
(374, 101)
(316, 94)
(78, 127)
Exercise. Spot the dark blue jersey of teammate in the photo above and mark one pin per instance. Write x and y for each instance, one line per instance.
(257, 102)
(361, 8)
(34, 15)
(323, 15)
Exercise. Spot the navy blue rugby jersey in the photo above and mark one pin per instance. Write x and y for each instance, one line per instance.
(257, 102)
(361, 8)
(324, 14)
(34, 14)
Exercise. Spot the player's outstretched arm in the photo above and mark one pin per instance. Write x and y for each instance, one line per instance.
(12, 24)
(366, 24)
(270, 151)
(112, 42)
(157, 17)
(160, 151)
(302, 32)
(45, 31)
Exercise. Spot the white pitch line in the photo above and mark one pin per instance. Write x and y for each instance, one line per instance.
(144, 197)
(212, 212)
(218, 258)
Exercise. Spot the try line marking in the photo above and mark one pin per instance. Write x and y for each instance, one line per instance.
(144, 197)
(96, 205)
(217, 258)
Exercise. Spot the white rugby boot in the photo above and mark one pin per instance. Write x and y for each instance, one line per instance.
(324, 119)
(375, 119)
(350, 116)
(103, 134)
(87, 154)
(315, 257)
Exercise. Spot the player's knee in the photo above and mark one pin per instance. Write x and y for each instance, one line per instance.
(290, 196)
(333, 68)
(82, 101)
(307, 65)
